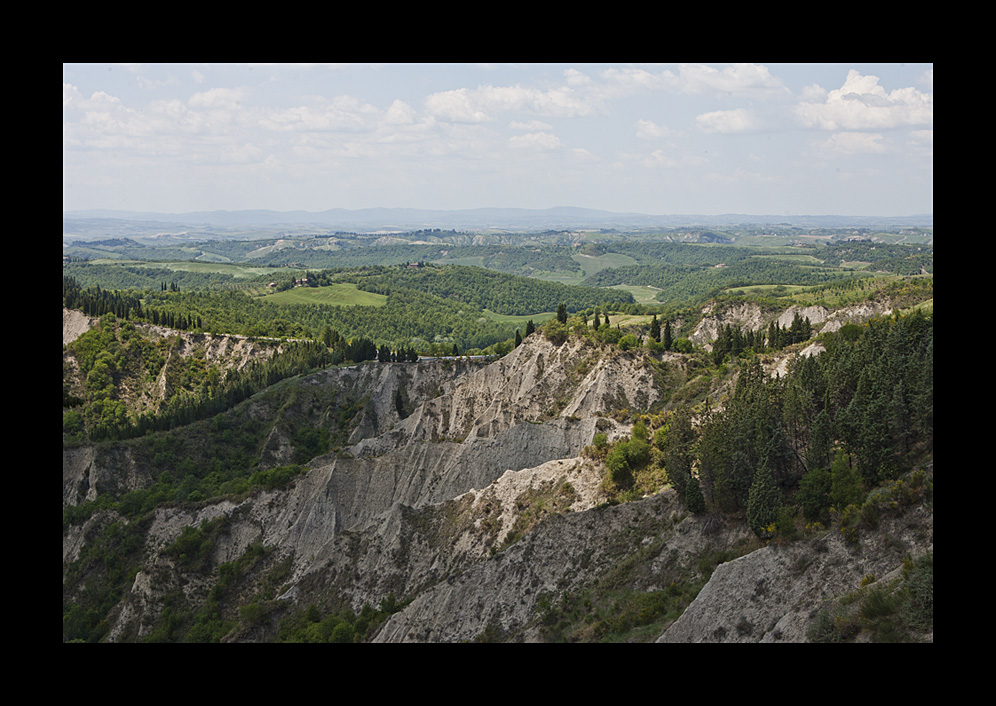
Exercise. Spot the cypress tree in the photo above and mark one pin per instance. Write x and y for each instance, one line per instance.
(562, 313)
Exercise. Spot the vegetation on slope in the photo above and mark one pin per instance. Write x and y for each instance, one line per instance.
(838, 442)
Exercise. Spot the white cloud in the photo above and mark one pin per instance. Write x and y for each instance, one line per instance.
(400, 113)
(852, 143)
(649, 130)
(342, 113)
(543, 141)
(660, 158)
(862, 104)
(485, 103)
(736, 79)
(302, 134)
(218, 98)
(576, 78)
(530, 125)
(632, 80)
(727, 121)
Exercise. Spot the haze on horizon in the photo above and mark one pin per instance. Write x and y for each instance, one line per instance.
(792, 139)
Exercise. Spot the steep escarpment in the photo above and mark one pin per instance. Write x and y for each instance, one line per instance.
(525, 592)
(752, 317)
(460, 500)
(428, 434)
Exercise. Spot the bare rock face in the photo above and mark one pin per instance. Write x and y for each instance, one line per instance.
(74, 324)
(466, 433)
(773, 594)
(750, 316)
(745, 316)
(464, 490)
(502, 594)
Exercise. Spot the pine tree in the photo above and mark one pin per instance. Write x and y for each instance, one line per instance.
(655, 329)
(763, 503)
(666, 336)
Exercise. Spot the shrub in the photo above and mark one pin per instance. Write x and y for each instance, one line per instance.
(628, 342)
(275, 477)
(625, 459)
(555, 331)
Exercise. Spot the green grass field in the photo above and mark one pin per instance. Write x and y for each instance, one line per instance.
(592, 265)
(342, 294)
(641, 293)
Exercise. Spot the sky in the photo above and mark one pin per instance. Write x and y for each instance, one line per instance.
(660, 139)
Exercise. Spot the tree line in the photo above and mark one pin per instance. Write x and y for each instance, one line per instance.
(858, 414)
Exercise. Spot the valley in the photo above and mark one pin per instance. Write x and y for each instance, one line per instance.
(678, 435)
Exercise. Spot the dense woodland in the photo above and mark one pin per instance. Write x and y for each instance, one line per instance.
(426, 304)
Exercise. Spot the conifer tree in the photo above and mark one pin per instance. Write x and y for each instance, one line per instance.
(763, 503)
(694, 500)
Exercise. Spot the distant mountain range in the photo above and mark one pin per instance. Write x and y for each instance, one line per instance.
(375, 219)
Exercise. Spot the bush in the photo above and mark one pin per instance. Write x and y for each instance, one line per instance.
(628, 342)
(625, 459)
(555, 332)
(823, 629)
(610, 335)
(275, 477)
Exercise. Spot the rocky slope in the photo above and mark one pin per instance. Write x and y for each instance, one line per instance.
(463, 490)
(752, 317)
(469, 426)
